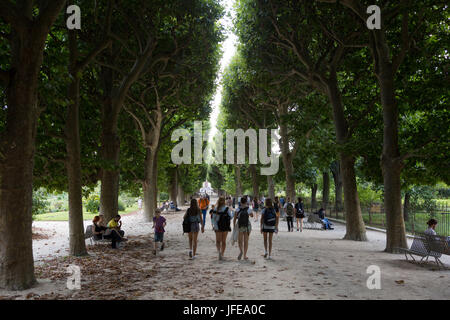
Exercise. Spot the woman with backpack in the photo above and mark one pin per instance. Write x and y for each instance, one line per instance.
(191, 224)
(269, 225)
(289, 209)
(242, 215)
(299, 213)
(222, 225)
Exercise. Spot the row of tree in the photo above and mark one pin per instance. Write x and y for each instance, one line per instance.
(96, 104)
(346, 99)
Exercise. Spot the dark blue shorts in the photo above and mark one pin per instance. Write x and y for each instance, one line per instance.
(159, 236)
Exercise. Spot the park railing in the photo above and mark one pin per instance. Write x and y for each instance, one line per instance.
(374, 215)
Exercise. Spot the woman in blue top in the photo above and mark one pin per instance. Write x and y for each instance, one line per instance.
(221, 219)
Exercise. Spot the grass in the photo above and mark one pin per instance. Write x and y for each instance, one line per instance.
(64, 215)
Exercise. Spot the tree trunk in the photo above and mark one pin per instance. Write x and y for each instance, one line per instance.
(270, 187)
(174, 186)
(355, 227)
(237, 172)
(16, 173)
(150, 185)
(287, 156)
(313, 196)
(337, 178)
(17, 145)
(110, 150)
(326, 189)
(255, 185)
(181, 196)
(406, 206)
(73, 164)
(391, 164)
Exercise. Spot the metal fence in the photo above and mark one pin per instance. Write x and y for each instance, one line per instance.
(375, 216)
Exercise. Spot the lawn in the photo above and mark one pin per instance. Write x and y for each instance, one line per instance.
(64, 215)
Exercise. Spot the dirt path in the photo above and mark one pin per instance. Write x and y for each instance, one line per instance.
(313, 264)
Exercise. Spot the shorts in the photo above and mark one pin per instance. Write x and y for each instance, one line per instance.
(195, 227)
(246, 229)
(159, 236)
(299, 215)
(268, 230)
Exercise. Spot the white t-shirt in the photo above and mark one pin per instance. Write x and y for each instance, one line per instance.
(430, 231)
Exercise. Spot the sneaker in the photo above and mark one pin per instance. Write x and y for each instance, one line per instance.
(297, 229)
(265, 255)
(240, 256)
(162, 247)
(190, 254)
(269, 258)
(194, 257)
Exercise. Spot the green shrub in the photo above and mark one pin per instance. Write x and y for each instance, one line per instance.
(93, 203)
(121, 205)
(40, 203)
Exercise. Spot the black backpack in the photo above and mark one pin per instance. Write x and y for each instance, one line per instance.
(224, 220)
(243, 217)
(289, 209)
(186, 223)
(270, 218)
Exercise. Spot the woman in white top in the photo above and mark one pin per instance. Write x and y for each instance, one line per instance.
(431, 226)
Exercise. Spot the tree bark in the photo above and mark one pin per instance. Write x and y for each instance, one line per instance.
(337, 178)
(391, 164)
(110, 149)
(406, 206)
(17, 144)
(326, 189)
(313, 196)
(174, 186)
(181, 196)
(237, 172)
(77, 243)
(150, 184)
(355, 227)
(255, 184)
(270, 187)
(287, 156)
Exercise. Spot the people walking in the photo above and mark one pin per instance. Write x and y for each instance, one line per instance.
(159, 222)
(289, 209)
(221, 225)
(192, 218)
(242, 215)
(269, 226)
(203, 203)
(299, 214)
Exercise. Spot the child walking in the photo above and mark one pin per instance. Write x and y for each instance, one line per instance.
(159, 222)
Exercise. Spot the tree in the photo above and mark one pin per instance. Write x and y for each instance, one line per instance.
(27, 25)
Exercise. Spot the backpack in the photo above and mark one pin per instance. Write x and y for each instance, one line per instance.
(224, 220)
(289, 209)
(270, 218)
(243, 218)
(186, 224)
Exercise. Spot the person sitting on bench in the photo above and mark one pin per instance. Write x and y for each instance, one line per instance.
(98, 228)
(325, 223)
(431, 229)
(113, 232)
